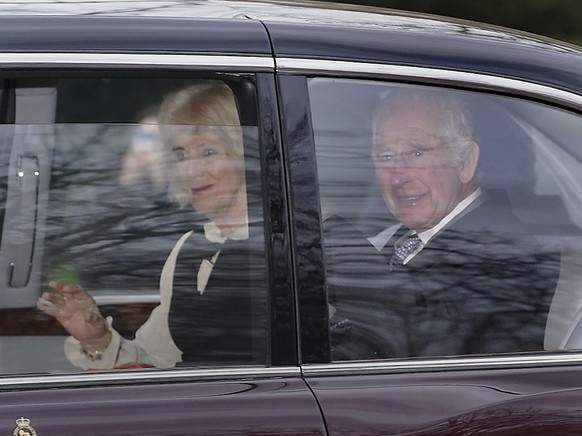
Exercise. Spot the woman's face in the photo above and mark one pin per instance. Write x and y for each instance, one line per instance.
(213, 179)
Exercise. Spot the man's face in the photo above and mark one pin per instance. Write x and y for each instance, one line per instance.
(420, 180)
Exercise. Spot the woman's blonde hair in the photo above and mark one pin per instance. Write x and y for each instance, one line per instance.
(195, 109)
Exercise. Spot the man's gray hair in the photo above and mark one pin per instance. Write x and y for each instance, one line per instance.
(455, 126)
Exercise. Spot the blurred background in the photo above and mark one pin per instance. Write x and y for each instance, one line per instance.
(560, 19)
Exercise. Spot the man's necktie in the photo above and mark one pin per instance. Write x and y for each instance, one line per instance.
(404, 250)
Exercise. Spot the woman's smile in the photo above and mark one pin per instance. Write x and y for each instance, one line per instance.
(200, 189)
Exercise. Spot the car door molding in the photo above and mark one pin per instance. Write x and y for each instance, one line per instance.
(146, 376)
(443, 364)
(153, 60)
(477, 81)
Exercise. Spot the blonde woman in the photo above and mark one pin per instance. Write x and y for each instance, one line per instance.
(204, 316)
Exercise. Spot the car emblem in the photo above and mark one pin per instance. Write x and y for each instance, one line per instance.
(24, 428)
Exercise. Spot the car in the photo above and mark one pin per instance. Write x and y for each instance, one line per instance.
(85, 200)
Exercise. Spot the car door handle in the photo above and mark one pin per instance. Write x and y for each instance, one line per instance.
(20, 263)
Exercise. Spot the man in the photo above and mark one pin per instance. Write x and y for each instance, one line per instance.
(463, 275)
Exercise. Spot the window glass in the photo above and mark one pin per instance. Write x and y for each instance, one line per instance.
(451, 220)
(146, 193)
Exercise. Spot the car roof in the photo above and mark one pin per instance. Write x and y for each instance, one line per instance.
(298, 11)
(298, 29)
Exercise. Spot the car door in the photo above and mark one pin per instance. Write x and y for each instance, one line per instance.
(382, 362)
(86, 200)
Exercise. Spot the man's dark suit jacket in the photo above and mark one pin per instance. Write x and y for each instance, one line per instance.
(483, 284)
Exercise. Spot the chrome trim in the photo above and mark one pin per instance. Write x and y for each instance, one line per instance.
(104, 300)
(128, 377)
(446, 364)
(440, 75)
(19, 60)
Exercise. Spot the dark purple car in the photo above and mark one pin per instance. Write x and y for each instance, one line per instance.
(474, 331)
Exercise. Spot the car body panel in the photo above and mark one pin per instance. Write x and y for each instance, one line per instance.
(251, 406)
(501, 402)
(503, 56)
(495, 395)
(123, 35)
(292, 42)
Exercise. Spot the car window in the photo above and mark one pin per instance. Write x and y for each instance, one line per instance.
(451, 220)
(132, 189)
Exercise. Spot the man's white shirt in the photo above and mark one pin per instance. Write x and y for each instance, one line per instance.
(381, 239)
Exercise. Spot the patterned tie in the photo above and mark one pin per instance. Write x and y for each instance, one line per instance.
(404, 250)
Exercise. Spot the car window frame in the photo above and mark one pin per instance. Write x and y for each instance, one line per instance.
(293, 76)
(282, 354)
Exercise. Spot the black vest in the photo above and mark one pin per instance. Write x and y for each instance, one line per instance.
(227, 323)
